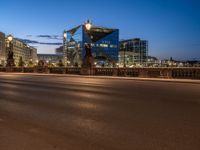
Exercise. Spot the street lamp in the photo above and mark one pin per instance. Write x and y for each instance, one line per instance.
(64, 47)
(65, 35)
(88, 60)
(10, 59)
(10, 38)
(88, 25)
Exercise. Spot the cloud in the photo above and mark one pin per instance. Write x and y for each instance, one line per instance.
(44, 43)
(54, 37)
(28, 41)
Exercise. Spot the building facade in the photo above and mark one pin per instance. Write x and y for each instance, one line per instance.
(19, 49)
(2, 49)
(104, 43)
(133, 52)
(30, 54)
(50, 58)
(59, 50)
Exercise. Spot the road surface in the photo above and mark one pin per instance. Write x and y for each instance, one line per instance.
(77, 113)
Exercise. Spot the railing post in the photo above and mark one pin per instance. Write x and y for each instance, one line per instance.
(169, 73)
(22, 69)
(143, 73)
(115, 71)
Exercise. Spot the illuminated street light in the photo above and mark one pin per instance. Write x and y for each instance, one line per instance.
(10, 38)
(88, 25)
(10, 59)
(65, 34)
(65, 49)
(88, 59)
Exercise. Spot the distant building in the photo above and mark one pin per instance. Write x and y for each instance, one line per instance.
(153, 61)
(21, 49)
(2, 49)
(191, 63)
(104, 42)
(50, 58)
(59, 50)
(133, 52)
(31, 54)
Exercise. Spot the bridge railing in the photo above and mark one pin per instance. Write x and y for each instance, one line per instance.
(104, 71)
(186, 73)
(180, 73)
(72, 70)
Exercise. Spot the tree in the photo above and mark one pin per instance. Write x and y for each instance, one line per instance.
(41, 63)
(50, 64)
(21, 62)
(60, 63)
(30, 63)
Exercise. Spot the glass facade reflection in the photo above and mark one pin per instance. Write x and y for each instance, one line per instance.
(104, 42)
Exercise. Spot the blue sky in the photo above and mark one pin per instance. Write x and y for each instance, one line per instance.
(172, 27)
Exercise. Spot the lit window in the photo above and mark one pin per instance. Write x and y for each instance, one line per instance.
(113, 46)
(103, 45)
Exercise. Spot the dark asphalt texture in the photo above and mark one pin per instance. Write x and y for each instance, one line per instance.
(77, 113)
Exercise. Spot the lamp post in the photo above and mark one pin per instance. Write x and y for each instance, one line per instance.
(88, 25)
(88, 47)
(87, 60)
(10, 59)
(10, 38)
(65, 48)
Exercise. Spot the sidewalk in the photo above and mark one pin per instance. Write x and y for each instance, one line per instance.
(112, 77)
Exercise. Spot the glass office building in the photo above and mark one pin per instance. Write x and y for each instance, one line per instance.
(104, 42)
(133, 52)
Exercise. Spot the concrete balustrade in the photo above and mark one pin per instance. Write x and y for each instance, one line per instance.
(179, 73)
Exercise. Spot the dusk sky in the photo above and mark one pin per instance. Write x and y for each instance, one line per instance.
(172, 27)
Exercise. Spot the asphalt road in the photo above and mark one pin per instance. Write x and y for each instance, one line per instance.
(75, 113)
